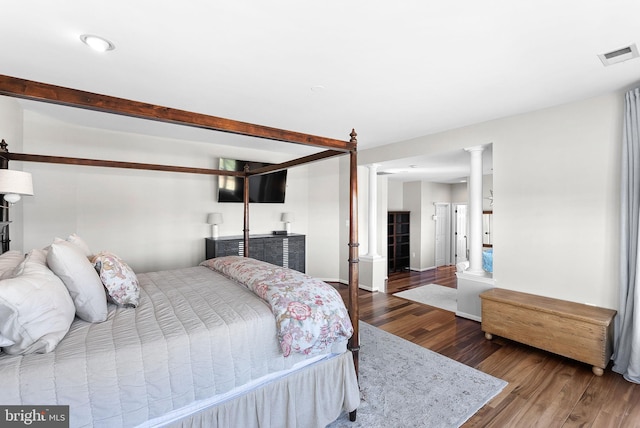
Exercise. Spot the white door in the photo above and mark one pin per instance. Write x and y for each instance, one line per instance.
(487, 229)
(443, 228)
(460, 233)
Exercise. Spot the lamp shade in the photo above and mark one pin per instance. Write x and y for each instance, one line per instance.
(287, 217)
(16, 182)
(214, 218)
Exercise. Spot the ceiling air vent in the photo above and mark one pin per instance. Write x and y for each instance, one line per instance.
(619, 55)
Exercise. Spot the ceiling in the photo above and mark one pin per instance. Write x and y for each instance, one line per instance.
(450, 168)
(393, 71)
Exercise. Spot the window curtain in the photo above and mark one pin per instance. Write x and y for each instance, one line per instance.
(626, 355)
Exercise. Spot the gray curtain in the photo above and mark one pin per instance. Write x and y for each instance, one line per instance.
(626, 355)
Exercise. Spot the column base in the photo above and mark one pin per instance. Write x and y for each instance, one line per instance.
(470, 285)
(373, 273)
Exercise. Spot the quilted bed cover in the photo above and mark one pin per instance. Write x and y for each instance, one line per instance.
(195, 334)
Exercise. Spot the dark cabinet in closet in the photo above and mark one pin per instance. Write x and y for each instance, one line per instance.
(398, 240)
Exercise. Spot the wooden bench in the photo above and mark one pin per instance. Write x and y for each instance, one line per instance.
(581, 332)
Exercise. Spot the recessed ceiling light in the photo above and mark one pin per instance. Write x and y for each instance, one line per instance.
(97, 43)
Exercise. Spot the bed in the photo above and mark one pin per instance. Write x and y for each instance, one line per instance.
(197, 339)
(154, 365)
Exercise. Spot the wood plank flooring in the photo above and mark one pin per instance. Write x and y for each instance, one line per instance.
(544, 389)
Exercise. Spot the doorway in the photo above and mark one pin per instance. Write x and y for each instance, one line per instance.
(452, 225)
(460, 233)
(443, 233)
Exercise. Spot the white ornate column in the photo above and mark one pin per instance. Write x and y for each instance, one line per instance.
(475, 211)
(473, 281)
(373, 271)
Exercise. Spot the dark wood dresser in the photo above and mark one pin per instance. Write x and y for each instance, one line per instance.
(282, 250)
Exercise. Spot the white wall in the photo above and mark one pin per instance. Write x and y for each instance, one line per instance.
(556, 188)
(395, 200)
(487, 188)
(431, 193)
(382, 210)
(153, 220)
(561, 218)
(412, 196)
(323, 233)
(460, 193)
(555, 183)
(419, 198)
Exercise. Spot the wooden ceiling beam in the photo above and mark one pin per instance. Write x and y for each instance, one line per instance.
(36, 91)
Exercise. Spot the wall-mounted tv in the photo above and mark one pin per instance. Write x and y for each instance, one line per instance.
(266, 188)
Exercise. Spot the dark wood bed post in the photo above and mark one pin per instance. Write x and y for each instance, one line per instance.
(4, 213)
(245, 230)
(354, 312)
(4, 151)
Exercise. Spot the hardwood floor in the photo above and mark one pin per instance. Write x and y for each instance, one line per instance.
(544, 389)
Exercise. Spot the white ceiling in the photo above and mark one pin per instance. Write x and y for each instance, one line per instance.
(450, 167)
(393, 71)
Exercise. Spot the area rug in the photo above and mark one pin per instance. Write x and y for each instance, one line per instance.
(405, 385)
(432, 295)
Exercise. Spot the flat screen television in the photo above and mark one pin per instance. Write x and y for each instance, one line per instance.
(266, 188)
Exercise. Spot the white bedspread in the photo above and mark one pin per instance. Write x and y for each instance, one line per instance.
(195, 334)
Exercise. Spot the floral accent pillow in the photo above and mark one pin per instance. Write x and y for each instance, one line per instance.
(310, 314)
(118, 278)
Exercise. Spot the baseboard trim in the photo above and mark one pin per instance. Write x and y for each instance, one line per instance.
(422, 270)
(334, 280)
(343, 282)
(469, 316)
(366, 288)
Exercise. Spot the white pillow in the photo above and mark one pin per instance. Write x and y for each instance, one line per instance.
(9, 261)
(79, 242)
(85, 287)
(35, 308)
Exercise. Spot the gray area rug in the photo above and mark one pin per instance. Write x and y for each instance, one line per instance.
(405, 385)
(433, 295)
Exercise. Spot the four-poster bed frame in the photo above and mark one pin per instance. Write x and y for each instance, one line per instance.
(36, 91)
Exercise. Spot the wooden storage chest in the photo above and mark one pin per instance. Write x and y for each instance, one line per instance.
(573, 330)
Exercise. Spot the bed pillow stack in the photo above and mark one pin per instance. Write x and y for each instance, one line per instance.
(36, 310)
(42, 292)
